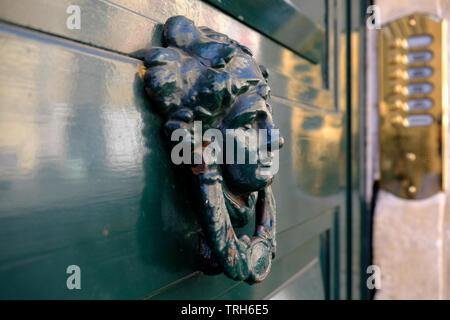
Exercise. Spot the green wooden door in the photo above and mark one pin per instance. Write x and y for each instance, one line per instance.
(85, 179)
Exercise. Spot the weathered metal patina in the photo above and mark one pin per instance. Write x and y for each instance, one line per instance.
(204, 76)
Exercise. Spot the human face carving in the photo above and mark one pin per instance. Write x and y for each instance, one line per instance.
(251, 113)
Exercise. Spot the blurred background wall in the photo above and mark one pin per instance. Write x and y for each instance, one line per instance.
(411, 238)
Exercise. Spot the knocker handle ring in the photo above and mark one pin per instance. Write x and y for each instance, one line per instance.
(241, 257)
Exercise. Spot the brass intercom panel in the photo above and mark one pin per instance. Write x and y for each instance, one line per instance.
(413, 105)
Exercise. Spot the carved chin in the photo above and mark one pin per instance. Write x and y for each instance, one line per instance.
(245, 187)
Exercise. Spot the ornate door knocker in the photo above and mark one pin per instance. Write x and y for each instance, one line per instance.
(202, 75)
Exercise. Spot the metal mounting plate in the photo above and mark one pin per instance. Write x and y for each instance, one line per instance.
(413, 105)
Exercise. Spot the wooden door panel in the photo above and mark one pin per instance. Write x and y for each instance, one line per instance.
(80, 187)
(128, 27)
(86, 179)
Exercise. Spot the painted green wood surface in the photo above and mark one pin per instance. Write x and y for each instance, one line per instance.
(299, 25)
(86, 180)
(129, 26)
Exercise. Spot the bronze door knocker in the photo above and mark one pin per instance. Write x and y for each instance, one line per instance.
(202, 75)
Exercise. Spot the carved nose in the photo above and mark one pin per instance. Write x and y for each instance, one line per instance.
(275, 140)
(264, 91)
(281, 142)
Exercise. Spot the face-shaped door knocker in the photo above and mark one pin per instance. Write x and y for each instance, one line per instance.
(203, 77)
